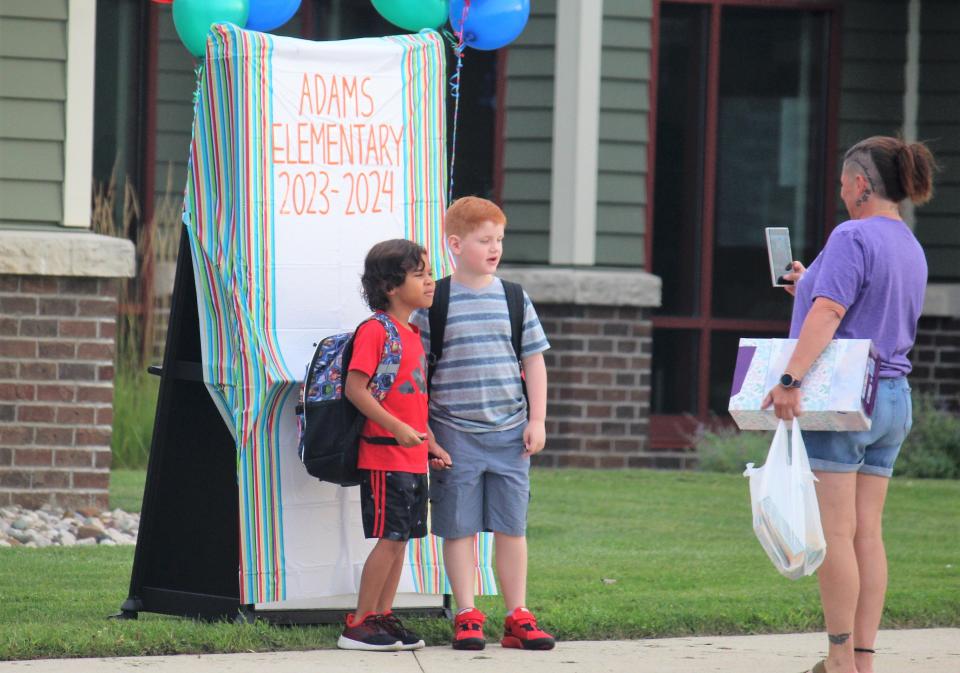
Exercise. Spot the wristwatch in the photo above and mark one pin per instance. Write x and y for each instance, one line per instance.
(788, 380)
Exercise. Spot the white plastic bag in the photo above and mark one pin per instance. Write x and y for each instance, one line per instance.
(786, 516)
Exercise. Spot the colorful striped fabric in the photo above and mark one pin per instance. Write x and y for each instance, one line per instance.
(426, 175)
(253, 342)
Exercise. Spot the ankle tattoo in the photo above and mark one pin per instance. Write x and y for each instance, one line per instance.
(838, 638)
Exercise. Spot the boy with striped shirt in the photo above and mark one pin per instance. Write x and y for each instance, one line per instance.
(479, 415)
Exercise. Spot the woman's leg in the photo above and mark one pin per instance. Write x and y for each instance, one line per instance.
(839, 575)
(872, 564)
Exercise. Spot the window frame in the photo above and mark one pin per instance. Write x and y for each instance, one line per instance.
(676, 430)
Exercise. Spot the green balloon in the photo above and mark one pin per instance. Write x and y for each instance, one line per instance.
(413, 14)
(193, 18)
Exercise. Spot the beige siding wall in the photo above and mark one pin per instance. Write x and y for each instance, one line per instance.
(528, 137)
(938, 121)
(624, 110)
(33, 90)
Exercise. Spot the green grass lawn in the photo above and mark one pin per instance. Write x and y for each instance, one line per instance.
(126, 489)
(678, 546)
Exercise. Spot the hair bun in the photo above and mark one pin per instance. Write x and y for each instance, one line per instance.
(916, 171)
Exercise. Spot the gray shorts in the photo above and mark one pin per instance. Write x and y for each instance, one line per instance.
(488, 487)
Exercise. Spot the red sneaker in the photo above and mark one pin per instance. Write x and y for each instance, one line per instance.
(468, 630)
(520, 630)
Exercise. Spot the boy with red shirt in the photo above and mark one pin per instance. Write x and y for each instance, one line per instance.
(393, 446)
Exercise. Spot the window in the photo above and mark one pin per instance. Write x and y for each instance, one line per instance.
(742, 142)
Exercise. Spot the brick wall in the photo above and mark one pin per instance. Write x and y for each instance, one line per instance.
(598, 401)
(936, 360)
(56, 389)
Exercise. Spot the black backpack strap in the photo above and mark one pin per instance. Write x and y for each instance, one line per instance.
(438, 325)
(514, 292)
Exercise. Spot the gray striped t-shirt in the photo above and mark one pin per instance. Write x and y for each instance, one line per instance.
(476, 386)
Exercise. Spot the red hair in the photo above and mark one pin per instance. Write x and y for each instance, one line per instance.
(470, 212)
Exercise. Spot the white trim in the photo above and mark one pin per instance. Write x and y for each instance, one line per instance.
(576, 121)
(942, 300)
(586, 287)
(25, 252)
(911, 90)
(78, 142)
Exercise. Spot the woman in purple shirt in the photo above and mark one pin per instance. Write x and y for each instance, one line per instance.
(867, 283)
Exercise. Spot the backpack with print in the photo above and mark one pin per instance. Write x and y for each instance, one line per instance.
(330, 426)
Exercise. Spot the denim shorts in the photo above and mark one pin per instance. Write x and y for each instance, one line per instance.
(871, 451)
(486, 489)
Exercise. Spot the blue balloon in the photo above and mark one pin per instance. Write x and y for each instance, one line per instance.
(269, 14)
(490, 24)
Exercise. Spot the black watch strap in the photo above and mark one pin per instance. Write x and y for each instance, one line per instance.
(788, 380)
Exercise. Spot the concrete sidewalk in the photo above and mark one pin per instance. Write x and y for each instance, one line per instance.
(908, 651)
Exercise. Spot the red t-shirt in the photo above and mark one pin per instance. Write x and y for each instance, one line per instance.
(406, 401)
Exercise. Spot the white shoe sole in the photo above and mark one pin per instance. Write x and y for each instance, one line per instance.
(419, 645)
(345, 643)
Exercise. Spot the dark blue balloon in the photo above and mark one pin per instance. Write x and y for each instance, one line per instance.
(490, 24)
(269, 14)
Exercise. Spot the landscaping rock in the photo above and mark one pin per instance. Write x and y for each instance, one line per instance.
(54, 526)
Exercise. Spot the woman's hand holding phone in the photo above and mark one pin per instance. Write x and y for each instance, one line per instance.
(794, 271)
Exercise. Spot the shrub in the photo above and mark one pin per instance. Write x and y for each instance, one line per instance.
(932, 449)
(726, 449)
(134, 401)
(116, 212)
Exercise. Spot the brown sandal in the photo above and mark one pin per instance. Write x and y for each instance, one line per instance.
(820, 667)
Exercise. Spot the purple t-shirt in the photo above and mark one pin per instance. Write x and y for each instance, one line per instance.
(876, 269)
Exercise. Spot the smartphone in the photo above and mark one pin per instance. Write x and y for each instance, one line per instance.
(780, 255)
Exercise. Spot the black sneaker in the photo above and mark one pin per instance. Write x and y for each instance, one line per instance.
(392, 625)
(369, 635)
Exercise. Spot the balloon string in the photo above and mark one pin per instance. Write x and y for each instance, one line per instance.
(455, 93)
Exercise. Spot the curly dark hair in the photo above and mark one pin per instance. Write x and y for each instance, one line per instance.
(386, 267)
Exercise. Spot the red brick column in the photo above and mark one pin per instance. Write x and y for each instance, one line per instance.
(598, 396)
(936, 360)
(57, 338)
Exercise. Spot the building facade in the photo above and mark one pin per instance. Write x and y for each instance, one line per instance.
(58, 281)
(638, 147)
(715, 120)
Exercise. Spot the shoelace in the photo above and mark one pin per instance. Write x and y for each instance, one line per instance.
(392, 623)
(526, 623)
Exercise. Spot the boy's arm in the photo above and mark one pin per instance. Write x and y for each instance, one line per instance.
(439, 458)
(359, 395)
(535, 373)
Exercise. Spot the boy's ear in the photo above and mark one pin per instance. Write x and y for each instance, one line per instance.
(455, 244)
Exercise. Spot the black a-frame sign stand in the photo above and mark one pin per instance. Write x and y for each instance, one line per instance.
(188, 546)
